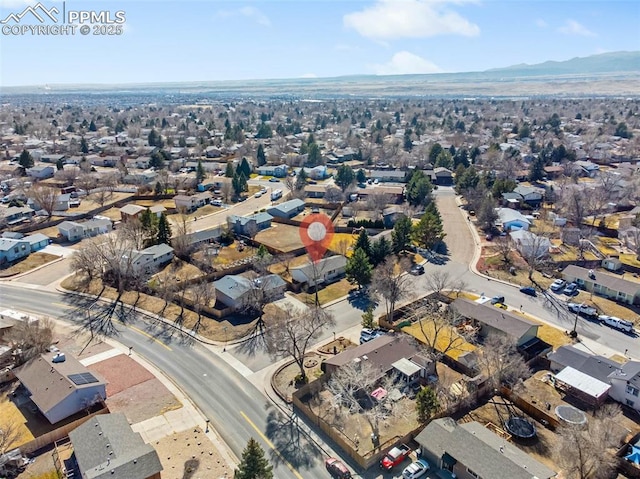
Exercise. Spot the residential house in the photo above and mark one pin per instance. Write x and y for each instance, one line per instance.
(37, 241)
(391, 214)
(396, 176)
(323, 271)
(554, 171)
(472, 451)
(145, 177)
(530, 245)
(60, 386)
(509, 219)
(199, 238)
(193, 202)
(319, 172)
(492, 320)
(15, 214)
(150, 258)
(288, 209)
(530, 194)
(41, 172)
(62, 202)
(105, 161)
(444, 176)
(130, 212)
(388, 354)
(249, 225)
(315, 191)
(604, 284)
(73, 231)
(157, 210)
(52, 158)
(106, 447)
(585, 168)
(395, 193)
(235, 291)
(279, 171)
(625, 385)
(597, 367)
(13, 249)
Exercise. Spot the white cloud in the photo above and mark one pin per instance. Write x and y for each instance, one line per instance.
(406, 63)
(540, 23)
(389, 19)
(571, 27)
(247, 12)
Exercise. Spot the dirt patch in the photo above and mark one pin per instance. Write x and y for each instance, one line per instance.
(190, 455)
(27, 264)
(143, 401)
(284, 381)
(121, 372)
(326, 293)
(281, 237)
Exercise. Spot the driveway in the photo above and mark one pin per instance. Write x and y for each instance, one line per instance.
(48, 274)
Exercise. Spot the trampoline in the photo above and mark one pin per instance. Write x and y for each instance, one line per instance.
(571, 415)
(520, 427)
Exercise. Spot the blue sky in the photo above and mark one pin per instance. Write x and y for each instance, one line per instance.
(226, 40)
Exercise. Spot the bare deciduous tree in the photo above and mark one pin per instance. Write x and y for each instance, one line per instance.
(391, 283)
(203, 294)
(588, 452)
(351, 387)
(377, 202)
(504, 247)
(45, 196)
(333, 195)
(30, 338)
(9, 434)
(502, 363)
(293, 331)
(226, 190)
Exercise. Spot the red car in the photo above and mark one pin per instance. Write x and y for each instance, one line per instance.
(395, 456)
(337, 469)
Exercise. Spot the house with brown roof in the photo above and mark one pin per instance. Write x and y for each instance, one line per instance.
(105, 446)
(131, 211)
(607, 285)
(60, 386)
(397, 354)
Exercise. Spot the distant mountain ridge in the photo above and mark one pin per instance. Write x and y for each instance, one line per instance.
(612, 62)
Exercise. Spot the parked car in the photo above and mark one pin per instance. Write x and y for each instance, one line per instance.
(528, 290)
(395, 456)
(258, 194)
(583, 310)
(416, 269)
(616, 323)
(497, 299)
(558, 285)
(337, 469)
(571, 289)
(367, 335)
(263, 190)
(416, 469)
(274, 180)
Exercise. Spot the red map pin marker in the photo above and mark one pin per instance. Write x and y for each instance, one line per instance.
(316, 232)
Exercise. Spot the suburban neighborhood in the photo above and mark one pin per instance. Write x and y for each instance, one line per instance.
(473, 312)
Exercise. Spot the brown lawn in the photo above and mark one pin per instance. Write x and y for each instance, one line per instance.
(281, 237)
(27, 264)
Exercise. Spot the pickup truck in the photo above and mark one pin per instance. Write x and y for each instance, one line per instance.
(395, 456)
(583, 310)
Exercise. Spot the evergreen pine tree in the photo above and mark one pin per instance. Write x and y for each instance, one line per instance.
(401, 234)
(228, 172)
(261, 159)
(253, 464)
(26, 160)
(200, 173)
(84, 148)
(359, 269)
(164, 230)
(363, 243)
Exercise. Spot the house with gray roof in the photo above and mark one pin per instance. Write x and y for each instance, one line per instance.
(75, 231)
(323, 271)
(13, 249)
(597, 367)
(471, 451)
(105, 447)
(288, 209)
(625, 385)
(60, 386)
(604, 284)
(249, 225)
(151, 258)
(509, 219)
(234, 291)
(496, 320)
(37, 241)
(279, 171)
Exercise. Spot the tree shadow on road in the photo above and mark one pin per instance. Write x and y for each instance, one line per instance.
(254, 342)
(361, 300)
(290, 443)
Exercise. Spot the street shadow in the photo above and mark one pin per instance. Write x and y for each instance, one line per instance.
(360, 299)
(290, 443)
(254, 342)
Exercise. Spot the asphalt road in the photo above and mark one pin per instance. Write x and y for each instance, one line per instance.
(235, 407)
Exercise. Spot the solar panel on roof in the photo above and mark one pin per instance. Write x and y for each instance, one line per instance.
(82, 378)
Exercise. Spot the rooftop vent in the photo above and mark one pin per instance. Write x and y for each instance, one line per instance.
(59, 358)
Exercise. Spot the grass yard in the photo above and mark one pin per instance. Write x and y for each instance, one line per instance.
(446, 337)
(326, 294)
(606, 306)
(27, 264)
(341, 243)
(149, 203)
(204, 211)
(231, 254)
(281, 268)
(284, 238)
(178, 271)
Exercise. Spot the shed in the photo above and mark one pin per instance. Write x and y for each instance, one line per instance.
(583, 386)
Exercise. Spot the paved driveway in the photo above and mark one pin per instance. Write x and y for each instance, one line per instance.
(459, 240)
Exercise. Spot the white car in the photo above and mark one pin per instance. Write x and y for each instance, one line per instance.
(258, 194)
(416, 469)
(558, 285)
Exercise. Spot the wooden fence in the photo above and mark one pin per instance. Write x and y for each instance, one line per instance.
(59, 433)
(529, 408)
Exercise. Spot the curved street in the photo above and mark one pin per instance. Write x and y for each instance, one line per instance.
(228, 387)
